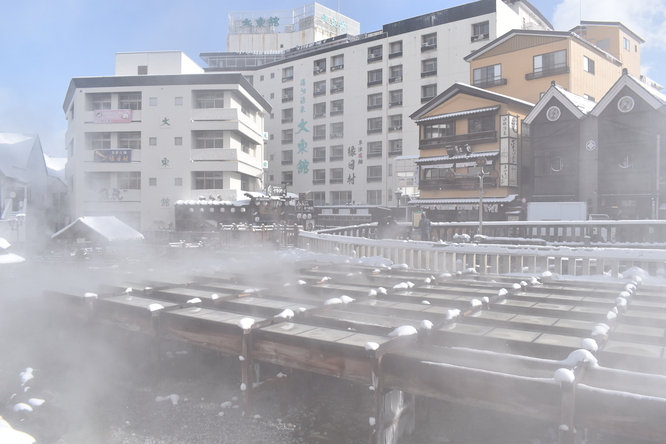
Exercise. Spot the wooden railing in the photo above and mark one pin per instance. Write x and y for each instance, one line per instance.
(484, 258)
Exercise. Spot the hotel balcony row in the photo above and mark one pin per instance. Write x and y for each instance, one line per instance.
(469, 138)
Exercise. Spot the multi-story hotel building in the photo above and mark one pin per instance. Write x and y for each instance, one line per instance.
(340, 128)
(160, 130)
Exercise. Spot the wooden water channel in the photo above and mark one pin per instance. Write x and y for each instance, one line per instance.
(490, 341)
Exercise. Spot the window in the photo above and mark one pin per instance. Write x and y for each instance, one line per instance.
(319, 132)
(588, 65)
(341, 197)
(100, 101)
(287, 115)
(374, 173)
(209, 99)
(395, 147)
(337, 107)
(337, 130)
(626, 44)
(319, 66)
(429, 67)
(261, 78)
(318, 177)
(374, 101)
(287, 157)
(319, 154)
(208, 139)
(428, 92)
(272, 95)
(130, 180)
(207, 180)
(288, 94)
(428, 42)
(248, 145)
(375, 149)
(438, 130)
(178, 101)
(337, 84)
(142, 70)
(152, 181)
(100, 141)
(245, 182)
(129, 101)
(336, 176)
(481, 124)
(272, 75)
(374, 54)
(395, 49)
(287, 178)
(395, 97)
(287, 136)
(319, 110)
(374, 197)
(152, 141)
(374, 125)
(250, 79)
(337, 62)
(178, 181)
(319, 198)
(178, 141)
(395, 74)
(319, 88)
(395, 122)
(375, 77)
(287, 73)
(488, 76)
(549, 64)
(152, 101)
(389, 171)
(130, 140)
(337, 152)
(480, 31)
(556, 164)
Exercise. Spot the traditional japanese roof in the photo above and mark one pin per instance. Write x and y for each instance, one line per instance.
(652, 96)
(457, 157)
(15, 150)
(99, 228)
(460, 113)
(579, 106)
(463, 88)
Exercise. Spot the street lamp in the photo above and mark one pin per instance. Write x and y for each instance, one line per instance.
(481, 162)
(398, 195)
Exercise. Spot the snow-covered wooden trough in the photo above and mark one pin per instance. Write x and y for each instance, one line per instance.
(577, 353)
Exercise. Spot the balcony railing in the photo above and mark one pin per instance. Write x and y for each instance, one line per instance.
(471, 138)
(395, 54)
(488, 83)
(547, 73)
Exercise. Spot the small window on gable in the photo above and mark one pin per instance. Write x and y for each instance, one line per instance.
(143, 70)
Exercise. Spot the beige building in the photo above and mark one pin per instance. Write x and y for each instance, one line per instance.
(523, 63)
(467, 133)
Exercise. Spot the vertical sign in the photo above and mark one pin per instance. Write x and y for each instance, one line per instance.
(508, 151)
(303, 164)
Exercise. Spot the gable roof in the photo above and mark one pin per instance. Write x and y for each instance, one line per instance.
(99, 228)
(579, 106)
(583, 23)
(652, 96)
(15, 150)
(546, 37)
(463, 88)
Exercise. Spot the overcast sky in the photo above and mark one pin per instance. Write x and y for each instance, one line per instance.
(47, 42)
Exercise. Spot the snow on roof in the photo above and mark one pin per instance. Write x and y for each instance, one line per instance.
(15, 152)
(583, 104)
(56, 166)
(579, 106)
(458, 113)
(105, 228)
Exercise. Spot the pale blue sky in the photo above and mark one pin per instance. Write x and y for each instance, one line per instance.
(47, 42)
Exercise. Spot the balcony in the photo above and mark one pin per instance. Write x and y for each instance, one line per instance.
(337, 135)
(336, 180)
(489, 83)
(287, 141)
(319, 159)
(287, 99)
(337, 111)
(395, 79)
(470, 138)
(287, 78)
(375, 153)
(374, 130)
(335, 159)
(336, 67)
(318, 181)
(395, 152)
(374, 178)
(319, 92)
(319, 70)
(395, 128)
(374, 58)
(547, 73)
(429, 46)
(336, 89)
(396, 103)
(460, 182)
(395, 54)
(379, 106)
(476, 38)
(319, 115)
(318, 136)
(429, 73)
(374, 82)
(287, 119)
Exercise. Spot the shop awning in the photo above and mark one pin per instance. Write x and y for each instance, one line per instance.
(459, 203)
(457, 158)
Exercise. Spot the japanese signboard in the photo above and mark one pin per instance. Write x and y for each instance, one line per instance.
(112, 116)
(113, 156)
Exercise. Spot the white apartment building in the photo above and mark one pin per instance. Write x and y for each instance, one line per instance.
(158, 131)
(340, 130)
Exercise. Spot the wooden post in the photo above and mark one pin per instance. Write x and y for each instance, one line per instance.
(155, 349)
(377, 429)
(246, 373)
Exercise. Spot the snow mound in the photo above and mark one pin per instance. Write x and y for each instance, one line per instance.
(246, 323)
(194, 301)
(620, 302)
(452, 314)
(589, 344)
(401, 286)
(26, 375)
(333, 301)
(90, 295)
(404, 330)
(214, 296)
(516, 286)
(36, 402)
(371, 421)
(600, 330)
(476, 303)
(564, 375)
(426, 324)
(372, 292)
(381, 290)
(10, 436)
(424, 302)
(346, 299)
(502, 292)
(286, 314)
(371, 346)
(173, 398)
(155, 307)
(578, 356)
(22, 407)
(243, 387)
(301, 282)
